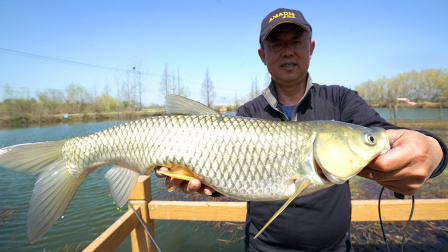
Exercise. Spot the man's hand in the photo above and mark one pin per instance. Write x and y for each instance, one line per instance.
(188, 187)
(412, 159)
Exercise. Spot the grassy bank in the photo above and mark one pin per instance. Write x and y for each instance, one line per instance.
(423, 124)
(41, 120)
(438, 127)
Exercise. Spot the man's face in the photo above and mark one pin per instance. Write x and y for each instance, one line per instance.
(287, 52)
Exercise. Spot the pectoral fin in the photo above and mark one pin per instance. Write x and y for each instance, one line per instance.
(304, 184)
(180, 172)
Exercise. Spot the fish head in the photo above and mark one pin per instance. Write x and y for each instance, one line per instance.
(342, 150)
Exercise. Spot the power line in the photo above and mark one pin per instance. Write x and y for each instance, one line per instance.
(64, 61)
(71, 62)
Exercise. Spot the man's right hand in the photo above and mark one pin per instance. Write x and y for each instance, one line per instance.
(187, 187)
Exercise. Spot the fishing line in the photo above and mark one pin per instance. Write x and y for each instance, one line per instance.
(146, 229)
(403, 241)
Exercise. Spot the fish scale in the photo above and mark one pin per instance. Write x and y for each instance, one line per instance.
(226, 156)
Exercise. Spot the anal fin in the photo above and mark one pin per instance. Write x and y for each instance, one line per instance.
(121, 182)
(304, 184)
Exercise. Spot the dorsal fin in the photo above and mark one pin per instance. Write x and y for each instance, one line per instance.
(178, 105)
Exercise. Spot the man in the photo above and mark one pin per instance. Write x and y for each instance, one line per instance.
(321, 221)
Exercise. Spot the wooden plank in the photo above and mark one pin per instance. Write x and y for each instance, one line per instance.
(362, 210)
(399, 210)
(140, 197)
(110, 239)
(139, 238)
(197, 210)
(142, 189)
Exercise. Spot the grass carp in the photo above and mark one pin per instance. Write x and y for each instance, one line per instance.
(244, 158)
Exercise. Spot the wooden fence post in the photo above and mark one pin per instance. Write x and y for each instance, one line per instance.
(141, 196)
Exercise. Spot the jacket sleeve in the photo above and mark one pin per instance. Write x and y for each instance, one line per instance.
(355, 110)
(243, 111)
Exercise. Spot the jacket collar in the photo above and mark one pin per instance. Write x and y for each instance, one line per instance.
(270, 94)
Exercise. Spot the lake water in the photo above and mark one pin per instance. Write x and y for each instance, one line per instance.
(92, 210)
(414, 113)
(410, 113)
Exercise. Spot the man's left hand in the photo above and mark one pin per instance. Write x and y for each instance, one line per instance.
(412, 159)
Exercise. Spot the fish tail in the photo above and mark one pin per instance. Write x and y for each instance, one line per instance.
(54, 188)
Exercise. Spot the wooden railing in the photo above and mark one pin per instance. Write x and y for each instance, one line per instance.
(149, 210)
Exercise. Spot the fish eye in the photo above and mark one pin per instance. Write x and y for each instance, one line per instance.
(370, 139)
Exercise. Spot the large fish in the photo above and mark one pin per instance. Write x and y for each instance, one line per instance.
(244, 158)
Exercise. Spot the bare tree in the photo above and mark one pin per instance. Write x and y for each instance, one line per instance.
(119, 94)
(237, 103)
(208, 90)
(172, 84)
(128, 91)
(138, 84)
(267, 79)
(178, 82)
(8, 92)
(254, 91)
(51, 99)
(180, 89)
(165, 83)
(106, 89)
(78, 97)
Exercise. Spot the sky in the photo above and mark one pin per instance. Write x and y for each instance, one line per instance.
(52, 44)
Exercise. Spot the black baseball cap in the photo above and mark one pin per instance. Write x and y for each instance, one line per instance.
(281, 16)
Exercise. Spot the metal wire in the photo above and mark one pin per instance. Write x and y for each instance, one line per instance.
(144, 226)
(403, 242)
(381, 220)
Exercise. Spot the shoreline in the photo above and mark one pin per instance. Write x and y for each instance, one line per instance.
(49, 120)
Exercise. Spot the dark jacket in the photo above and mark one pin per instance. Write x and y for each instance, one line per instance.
(320, 221)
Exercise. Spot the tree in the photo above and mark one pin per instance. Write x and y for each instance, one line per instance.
(179, 88)
(138, 84)
(52, 99)
(77, 96)
(236, 101)
(8, 92)
(433, 81)
(435, 85)
(165, 83)
(254, 91)
(208, 90)
(429, 84)
(172, 84)
(267, 79)
(106, 89)
(106, 103)
(128, 89)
